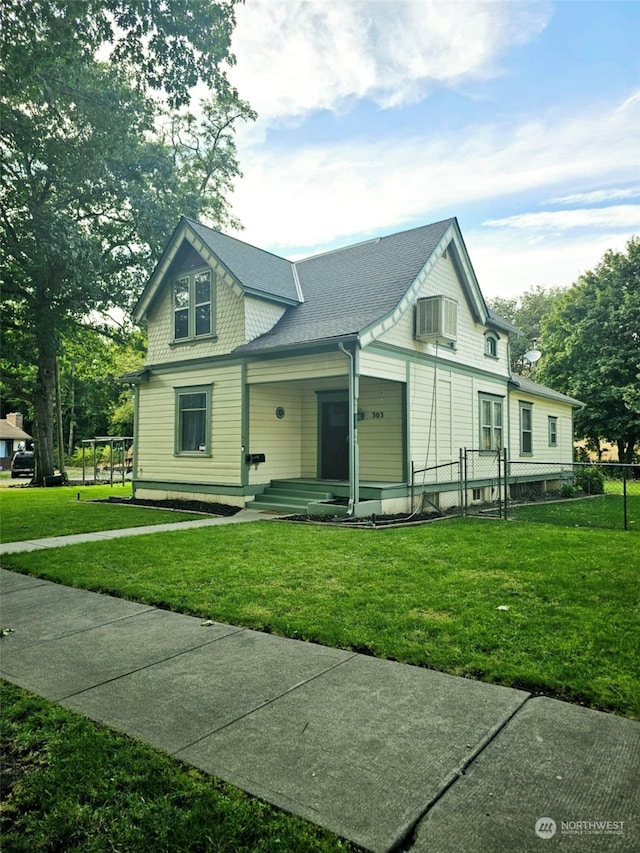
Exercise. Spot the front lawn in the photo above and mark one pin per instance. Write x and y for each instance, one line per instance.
(29, 513)
(545, 608)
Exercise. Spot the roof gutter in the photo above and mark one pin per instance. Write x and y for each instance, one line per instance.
(354, 485)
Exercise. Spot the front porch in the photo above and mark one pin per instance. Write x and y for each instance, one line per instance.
(308, 496)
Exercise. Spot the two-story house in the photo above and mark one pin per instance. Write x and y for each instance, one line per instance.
(289, 383)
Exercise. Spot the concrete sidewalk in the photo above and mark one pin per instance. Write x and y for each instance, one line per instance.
(100, 536)
(384, 754)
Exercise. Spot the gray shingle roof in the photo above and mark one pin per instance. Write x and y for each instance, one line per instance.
(348, 289)
(528, 386)
(255, 269)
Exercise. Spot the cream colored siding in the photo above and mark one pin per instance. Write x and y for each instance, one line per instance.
(442, 280)
(260, 317)
(542, 409)
(229, 327)
(156, 428)
(385, 367)
(300, 367)
(442, 424)
(280, 439)
(380, 432)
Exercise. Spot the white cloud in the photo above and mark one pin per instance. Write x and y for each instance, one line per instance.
(315, 195)
(297, 57)
(507, 265)
(595, 197)
(614, 216)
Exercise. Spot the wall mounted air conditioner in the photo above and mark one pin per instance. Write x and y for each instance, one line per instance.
(436, 319)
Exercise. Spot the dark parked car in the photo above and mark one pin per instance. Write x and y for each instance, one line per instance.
(22, 464)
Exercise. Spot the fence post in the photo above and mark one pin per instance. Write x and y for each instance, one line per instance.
(506, 484)
(461, 481)
(624, 495)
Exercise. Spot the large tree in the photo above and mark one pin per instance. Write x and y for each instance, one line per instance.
(592, 349)
(99, 156)
(526, 312)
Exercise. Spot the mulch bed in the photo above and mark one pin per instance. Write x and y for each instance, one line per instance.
(178, 506)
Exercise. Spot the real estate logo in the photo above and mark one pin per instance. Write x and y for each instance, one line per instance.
(545, 827)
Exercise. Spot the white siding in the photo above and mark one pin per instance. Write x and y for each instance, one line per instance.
(442, 280)
(156, 425)
(380, 432)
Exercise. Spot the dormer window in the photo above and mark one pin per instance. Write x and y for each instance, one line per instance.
(491, 345)
(193, 314)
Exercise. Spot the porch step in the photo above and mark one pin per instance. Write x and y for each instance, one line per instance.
(283, 496)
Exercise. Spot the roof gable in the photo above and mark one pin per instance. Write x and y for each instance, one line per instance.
(254, 271)
(359, 290)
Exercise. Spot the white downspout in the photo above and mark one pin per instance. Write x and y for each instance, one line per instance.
(354, 486)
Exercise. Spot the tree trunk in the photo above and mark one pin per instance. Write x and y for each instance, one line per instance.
(60, 439)
(72, 412)
(43, 396)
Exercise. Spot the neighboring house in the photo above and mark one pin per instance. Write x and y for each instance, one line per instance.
(12, 438)
(332, 375)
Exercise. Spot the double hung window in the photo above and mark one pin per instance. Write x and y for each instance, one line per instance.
(526, 429)
(193, 420)
(490, 422)
(193, 306)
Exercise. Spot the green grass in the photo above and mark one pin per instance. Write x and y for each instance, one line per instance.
(71, 785)
(425, 595)
(604, 511)
(27, 513)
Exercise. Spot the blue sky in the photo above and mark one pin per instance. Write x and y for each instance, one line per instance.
(520, 118)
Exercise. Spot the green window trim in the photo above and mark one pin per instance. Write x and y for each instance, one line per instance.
(192, 427)
(491, 422)
(491, 345)
(194, 306)
(553, 431)
(526, 428)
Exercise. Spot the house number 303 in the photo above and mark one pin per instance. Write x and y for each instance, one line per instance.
(377, 415)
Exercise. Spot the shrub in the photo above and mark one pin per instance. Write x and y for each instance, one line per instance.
(590, 480)
(567, 490)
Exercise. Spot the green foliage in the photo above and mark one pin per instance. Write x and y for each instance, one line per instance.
(567, 491)
(590, 481)
(592, 350)
(526, 313)
(95, 170)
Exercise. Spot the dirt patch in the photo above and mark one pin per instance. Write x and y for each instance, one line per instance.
(202, 507)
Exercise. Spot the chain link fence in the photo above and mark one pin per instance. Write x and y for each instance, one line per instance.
(489, 484)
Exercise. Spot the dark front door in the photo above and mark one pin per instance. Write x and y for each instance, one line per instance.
(334, 439)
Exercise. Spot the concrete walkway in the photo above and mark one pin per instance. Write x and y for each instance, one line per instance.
(101, 535)
(387, 755)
